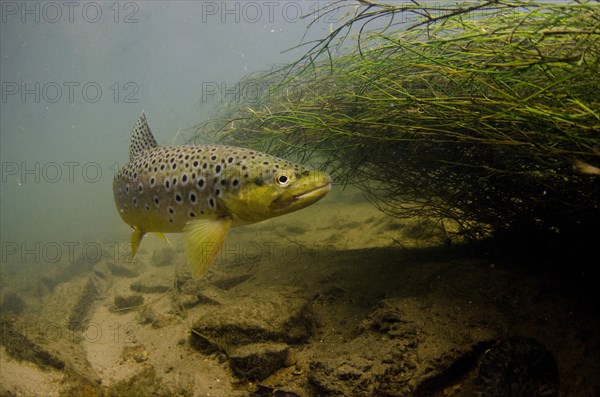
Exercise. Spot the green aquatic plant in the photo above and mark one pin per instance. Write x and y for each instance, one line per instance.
(486, 113)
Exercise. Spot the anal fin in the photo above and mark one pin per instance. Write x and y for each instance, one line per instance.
(163, 237)
(203, 239)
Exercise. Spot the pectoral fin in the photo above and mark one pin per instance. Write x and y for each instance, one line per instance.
(203, 239)
(136, 239)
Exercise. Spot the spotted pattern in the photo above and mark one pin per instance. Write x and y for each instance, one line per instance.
(162, 188)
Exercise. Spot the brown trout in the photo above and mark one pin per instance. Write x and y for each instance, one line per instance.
(203, 190)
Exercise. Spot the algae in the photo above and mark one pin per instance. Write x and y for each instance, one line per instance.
(21, 347)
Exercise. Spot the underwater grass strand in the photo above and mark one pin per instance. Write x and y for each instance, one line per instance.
(475, 119)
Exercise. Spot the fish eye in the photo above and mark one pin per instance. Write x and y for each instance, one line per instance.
(282, 180)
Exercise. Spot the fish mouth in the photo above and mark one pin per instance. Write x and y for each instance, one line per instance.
(317, 191)
(284, 204)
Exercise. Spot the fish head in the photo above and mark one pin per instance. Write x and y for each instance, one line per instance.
(269, 193)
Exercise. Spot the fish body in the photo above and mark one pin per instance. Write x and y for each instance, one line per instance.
(203, 190)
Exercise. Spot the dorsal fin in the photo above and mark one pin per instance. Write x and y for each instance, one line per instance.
(141, 137)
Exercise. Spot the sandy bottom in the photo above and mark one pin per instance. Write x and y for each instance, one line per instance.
(387, 312)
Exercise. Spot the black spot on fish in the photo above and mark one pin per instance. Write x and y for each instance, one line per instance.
(218, 168)
(213, 157)
(178, 197)
(193, 197)
(174, 165)
(259, 182)
(127, 189)
(167, 184)
(140, 188)
(195, 164)
(235, 182)
(156, 200)
(184, 178)
(211, 202)
(201, 182)
(192, 214)
(171, 210)
(162, 167)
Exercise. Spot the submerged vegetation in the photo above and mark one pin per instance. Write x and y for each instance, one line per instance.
(486, 113)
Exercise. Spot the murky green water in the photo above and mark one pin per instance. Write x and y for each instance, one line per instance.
(335, 299)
